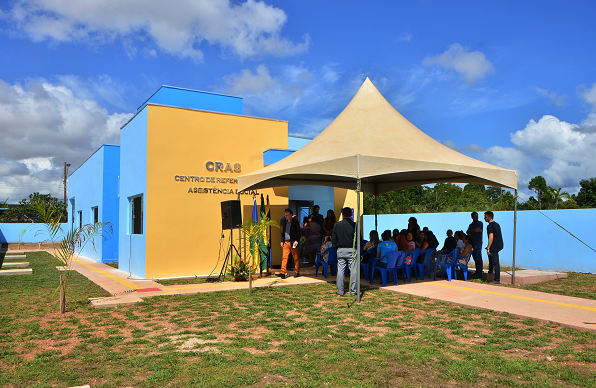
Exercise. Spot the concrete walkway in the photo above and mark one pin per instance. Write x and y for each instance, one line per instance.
(569, 311)
(566, 310)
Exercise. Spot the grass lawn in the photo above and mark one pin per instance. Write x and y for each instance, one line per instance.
(302, 336)
(579, 285)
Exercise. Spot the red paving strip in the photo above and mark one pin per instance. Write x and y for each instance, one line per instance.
(149, 289)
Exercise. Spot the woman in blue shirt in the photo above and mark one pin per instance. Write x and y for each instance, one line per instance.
(384, 248)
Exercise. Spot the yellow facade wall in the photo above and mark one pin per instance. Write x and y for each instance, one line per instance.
(183, 233)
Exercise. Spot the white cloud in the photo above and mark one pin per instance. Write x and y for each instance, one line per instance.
(178, 27)
(311, 127)
(249, 82)
(588, 94)
(561, 152)
(405, 37)
(43, 125)
(471, 65)
(554, 97)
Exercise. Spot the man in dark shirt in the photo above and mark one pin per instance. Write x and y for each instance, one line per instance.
(449, 245)
(343, 239)
(495, 244)
(474, 233)
(290, 236)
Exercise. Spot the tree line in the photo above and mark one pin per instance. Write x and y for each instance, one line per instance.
(449, 197)
(27, 209)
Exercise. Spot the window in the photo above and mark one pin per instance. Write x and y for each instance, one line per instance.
(136, 222)
(80, 218)
(94, 215)
(72, 213)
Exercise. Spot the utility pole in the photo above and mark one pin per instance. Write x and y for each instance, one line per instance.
(66, 166)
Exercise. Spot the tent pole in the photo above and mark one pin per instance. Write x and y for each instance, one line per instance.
(514, 235)
(357, 256)
(376, 211)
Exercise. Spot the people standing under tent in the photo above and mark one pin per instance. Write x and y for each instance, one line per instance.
(449, 245)
(313, 239)
(373, 242)
(290, 236)
(494, 246)
(343, 239)
(318, 218)
(384, 248)
(329, 223)
(475, 235)
(414, 228)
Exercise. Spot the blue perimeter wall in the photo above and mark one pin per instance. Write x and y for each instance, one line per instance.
(133, 181)
(95, 183)
(36, 233)
(541, 244)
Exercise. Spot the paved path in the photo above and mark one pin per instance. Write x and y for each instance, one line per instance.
(574, 312)
(566, 310)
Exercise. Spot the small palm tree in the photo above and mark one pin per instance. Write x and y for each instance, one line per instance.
(67, 248)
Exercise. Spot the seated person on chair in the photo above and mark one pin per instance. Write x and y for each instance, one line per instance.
(459, 238)
(465, 251)
(384, 248)
(423, 247)
(449, 245)
(401, 240)
(326, 244)
(372, 243)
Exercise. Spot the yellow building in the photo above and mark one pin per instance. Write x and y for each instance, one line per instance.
(180, 157)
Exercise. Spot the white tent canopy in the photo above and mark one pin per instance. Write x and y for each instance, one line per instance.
(371, 147)
(372, 141)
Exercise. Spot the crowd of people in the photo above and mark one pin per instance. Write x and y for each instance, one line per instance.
(468, 244)
(319, 233)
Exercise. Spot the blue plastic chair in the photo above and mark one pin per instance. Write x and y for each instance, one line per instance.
(395, 260)
(448, 265)
(401, 264)
(367, 268)
(427, 263)
(412, 266)
(332, 261)
(463, 267)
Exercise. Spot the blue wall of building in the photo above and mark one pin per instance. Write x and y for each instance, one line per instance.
(194, 99)
(110, 212)
(95, 184)
(273, 155)
(295, 143)
(541, 244)
(321, 195)
(85, 190)
(35, 233)
(133, 182)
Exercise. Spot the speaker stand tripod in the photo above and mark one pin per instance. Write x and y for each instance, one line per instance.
(231, 249)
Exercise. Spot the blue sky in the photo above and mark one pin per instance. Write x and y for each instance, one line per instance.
(510, 83)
